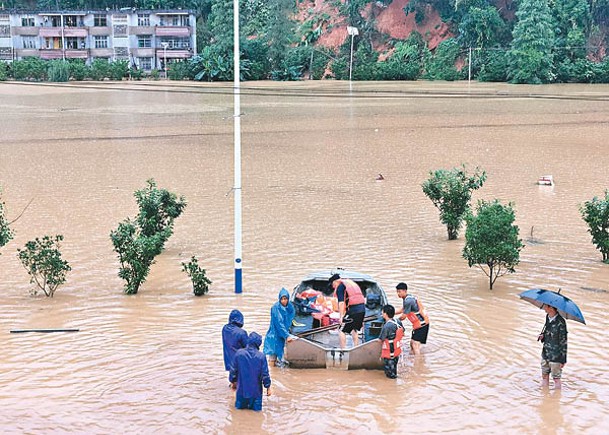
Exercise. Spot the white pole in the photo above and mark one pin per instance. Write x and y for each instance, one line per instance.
(63, 40)
(237, 134)
(351, 63)
(469, 72)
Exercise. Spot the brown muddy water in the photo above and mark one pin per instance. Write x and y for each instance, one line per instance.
(152, 363)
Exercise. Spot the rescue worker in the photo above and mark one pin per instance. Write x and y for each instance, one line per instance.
(554, 351)
(391, 337)
(234, 337)
(249, 373)
(413, 310)
(282, 314)
(351, 308)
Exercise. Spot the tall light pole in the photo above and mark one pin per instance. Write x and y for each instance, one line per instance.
(237, 137)
(353, 32)
(165, 45)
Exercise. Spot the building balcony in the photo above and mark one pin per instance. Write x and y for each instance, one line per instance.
(172, 31)
(102, 52)
(51, 54)
(174, 54)
(27, 52)
(59, 54)
(141, 30)
(77, 54)
(100, 31)
(143, 52)
(26, 31)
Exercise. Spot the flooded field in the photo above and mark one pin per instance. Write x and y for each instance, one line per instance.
(152, 363)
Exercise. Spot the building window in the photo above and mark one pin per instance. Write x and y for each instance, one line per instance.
(100, 20)
(146, 63)
(29, 41)
(144, 42)
(28, 22)
(101, 41)
(143, 19)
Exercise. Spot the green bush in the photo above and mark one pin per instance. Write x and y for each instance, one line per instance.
(42, 260)
(138, 242)
(494, 66)
(256, 53)
(178, 71)
(3, 71)
(155, 74)
(406, 62)
(211, 65)
(136, 73)
(596, 215)
(58, 71)
(119, 70)
(30, 68)
(491, 240)
(200, 282)
(6, 234)
(100, 69)
(78, 69)
(442, 65)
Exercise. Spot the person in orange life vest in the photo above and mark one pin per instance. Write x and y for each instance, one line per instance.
(413, 310)
(351, 308)
(391, 337)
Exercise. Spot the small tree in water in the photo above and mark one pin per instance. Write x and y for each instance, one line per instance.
(42, 260)
(138, 242)
(491, 240)
(451, 191)
(596, 214)
(200, 282)
(6, 234)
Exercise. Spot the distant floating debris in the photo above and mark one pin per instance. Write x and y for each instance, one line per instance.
(44, 330)
(546, 180)
(380, 177)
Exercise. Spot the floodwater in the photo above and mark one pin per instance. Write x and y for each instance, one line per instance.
(152, 363)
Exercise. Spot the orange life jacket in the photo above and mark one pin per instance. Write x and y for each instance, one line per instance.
(418, 318)
(393, 348)
(353, 293)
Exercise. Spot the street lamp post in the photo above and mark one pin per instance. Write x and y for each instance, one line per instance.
(237, 156)
(353, 32)
(165, 45)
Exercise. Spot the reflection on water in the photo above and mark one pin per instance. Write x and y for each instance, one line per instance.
(311, 154)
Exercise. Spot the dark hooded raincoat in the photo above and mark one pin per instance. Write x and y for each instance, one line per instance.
(250, 370)
(233, 337)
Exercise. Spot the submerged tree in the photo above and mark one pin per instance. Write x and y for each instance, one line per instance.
(42, 260)
(451, 191)
(6, 234)
(200, 282)
(491, 240)
(137, 242)
(596, 214)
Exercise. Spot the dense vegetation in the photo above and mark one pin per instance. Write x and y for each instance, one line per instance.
(543, 42)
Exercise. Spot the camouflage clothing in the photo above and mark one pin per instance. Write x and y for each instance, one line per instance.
(555, 340)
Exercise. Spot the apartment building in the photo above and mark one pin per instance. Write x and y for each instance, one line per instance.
(148, 39)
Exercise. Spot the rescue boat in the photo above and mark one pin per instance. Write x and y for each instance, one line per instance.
(315, 327)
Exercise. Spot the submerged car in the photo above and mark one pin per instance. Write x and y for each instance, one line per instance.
(315, 327)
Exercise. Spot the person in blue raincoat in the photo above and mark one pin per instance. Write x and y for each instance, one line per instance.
(249, 373)
(282, 314)
(234, 337)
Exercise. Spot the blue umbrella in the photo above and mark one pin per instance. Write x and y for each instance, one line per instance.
(565, 306)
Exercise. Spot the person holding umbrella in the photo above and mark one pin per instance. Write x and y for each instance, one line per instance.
(554, 334)
(554, 351)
